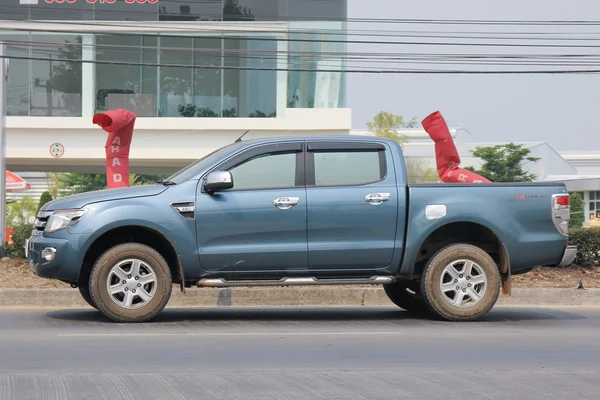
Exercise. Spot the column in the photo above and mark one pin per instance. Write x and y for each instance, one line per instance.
(88, 74)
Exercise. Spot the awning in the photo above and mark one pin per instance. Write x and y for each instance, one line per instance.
(15, 183)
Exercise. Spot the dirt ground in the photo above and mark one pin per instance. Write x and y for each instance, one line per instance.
(15, 273)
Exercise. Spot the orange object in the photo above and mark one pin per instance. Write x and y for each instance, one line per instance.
(119, 125)
(446, 155)
(9, 232)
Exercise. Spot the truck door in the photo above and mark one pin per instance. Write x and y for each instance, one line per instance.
(352, 206)
(260, 223)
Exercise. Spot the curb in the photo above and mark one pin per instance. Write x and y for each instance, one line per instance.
(292, 296)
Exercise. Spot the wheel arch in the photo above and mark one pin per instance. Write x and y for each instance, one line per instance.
(135, 234)
(467, 232)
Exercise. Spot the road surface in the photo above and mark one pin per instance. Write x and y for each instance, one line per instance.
(325, 353)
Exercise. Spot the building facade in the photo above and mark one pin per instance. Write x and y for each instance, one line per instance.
(198, 74)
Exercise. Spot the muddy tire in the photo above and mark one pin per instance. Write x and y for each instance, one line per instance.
(131, 283)
(84, 290)
(460, 282)
(406, 295)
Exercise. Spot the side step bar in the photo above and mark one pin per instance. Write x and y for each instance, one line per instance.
(374, 280)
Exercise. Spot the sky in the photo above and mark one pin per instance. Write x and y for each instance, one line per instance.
(562, 110)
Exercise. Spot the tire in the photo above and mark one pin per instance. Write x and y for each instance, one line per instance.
(406, 295)
(84, 290)
(139, 293)
(451, 265)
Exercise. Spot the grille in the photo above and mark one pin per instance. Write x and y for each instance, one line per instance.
(40, 222)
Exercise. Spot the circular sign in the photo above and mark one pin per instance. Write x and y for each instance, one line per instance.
(57, 150)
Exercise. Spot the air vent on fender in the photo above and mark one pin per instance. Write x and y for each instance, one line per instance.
(185, 209)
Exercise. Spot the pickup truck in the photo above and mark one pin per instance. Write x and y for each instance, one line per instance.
(302, 211)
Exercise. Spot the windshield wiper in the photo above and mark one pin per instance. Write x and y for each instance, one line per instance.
(165, 182)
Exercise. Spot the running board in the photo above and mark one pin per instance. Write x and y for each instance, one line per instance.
(374, 280)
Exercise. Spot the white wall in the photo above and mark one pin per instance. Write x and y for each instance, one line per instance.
(157, 142)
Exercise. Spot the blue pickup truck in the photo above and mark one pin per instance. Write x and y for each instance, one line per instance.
(302, 211)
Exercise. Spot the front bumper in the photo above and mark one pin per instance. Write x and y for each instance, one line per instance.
(568, 256)
(51, 269)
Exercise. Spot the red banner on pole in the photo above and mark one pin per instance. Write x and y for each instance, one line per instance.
(446, 155)
(119, 125)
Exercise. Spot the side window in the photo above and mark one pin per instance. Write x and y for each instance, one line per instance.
(334, 168)
(265, 171)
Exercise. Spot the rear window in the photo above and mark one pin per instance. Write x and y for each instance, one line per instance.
(335, 168)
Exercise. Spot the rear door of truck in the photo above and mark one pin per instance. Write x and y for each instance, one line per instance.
(352, 205)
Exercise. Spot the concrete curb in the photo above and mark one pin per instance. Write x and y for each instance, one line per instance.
(291, 296)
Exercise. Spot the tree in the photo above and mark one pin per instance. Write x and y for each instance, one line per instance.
(577, 216)
(21, 212)
(504, 163)
(386, 125)
(73, 183)
(45, 198)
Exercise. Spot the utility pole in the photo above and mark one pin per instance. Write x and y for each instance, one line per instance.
(3, 83)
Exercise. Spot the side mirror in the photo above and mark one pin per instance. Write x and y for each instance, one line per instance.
(218, 180)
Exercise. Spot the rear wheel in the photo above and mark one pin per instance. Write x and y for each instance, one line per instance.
(460, 282)
(406, 295)
(131, 283)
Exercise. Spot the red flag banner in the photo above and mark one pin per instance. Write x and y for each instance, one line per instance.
(119, 125)
(446, 155)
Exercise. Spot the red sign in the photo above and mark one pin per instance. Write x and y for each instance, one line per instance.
(119, 125)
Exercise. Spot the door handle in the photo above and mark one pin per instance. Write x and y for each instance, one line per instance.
(377, 198)
(285, 203)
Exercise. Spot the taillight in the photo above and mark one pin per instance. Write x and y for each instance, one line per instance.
(561, 212)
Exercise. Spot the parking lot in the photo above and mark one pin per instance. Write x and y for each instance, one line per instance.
(300, 353)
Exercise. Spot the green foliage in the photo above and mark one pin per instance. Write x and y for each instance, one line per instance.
(45, 198)
(504, 163)
(73, 183)
(386, 125)
(20, 212)
(587, 241)
(577, 217)
(17, 248)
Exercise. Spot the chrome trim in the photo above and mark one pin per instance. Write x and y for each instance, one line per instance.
(186, 209)
(568, 256)
(44, 214)
(377, 198)
(285, 203)
(435, 211)
(220, 282)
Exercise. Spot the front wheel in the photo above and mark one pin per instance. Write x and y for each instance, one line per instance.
(131, 283)
(460, 282)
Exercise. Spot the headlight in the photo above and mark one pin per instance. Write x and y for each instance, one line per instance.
(62, 219)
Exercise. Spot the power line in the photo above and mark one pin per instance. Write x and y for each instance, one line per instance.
(379, 71)
(196, 31)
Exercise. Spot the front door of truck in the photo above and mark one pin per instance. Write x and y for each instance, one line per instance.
(353, 206)
(260, 223)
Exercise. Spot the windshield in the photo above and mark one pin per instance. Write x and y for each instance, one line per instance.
(198, 165)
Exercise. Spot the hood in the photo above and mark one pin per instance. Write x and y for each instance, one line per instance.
(97, 196)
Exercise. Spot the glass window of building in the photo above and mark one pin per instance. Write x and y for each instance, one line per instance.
(250, 77)
(56, 79)
(46, 79)
(18, 85)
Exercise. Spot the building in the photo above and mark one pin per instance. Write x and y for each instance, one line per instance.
(198, 73)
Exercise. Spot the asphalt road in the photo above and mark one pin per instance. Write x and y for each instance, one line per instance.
(366, 353)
